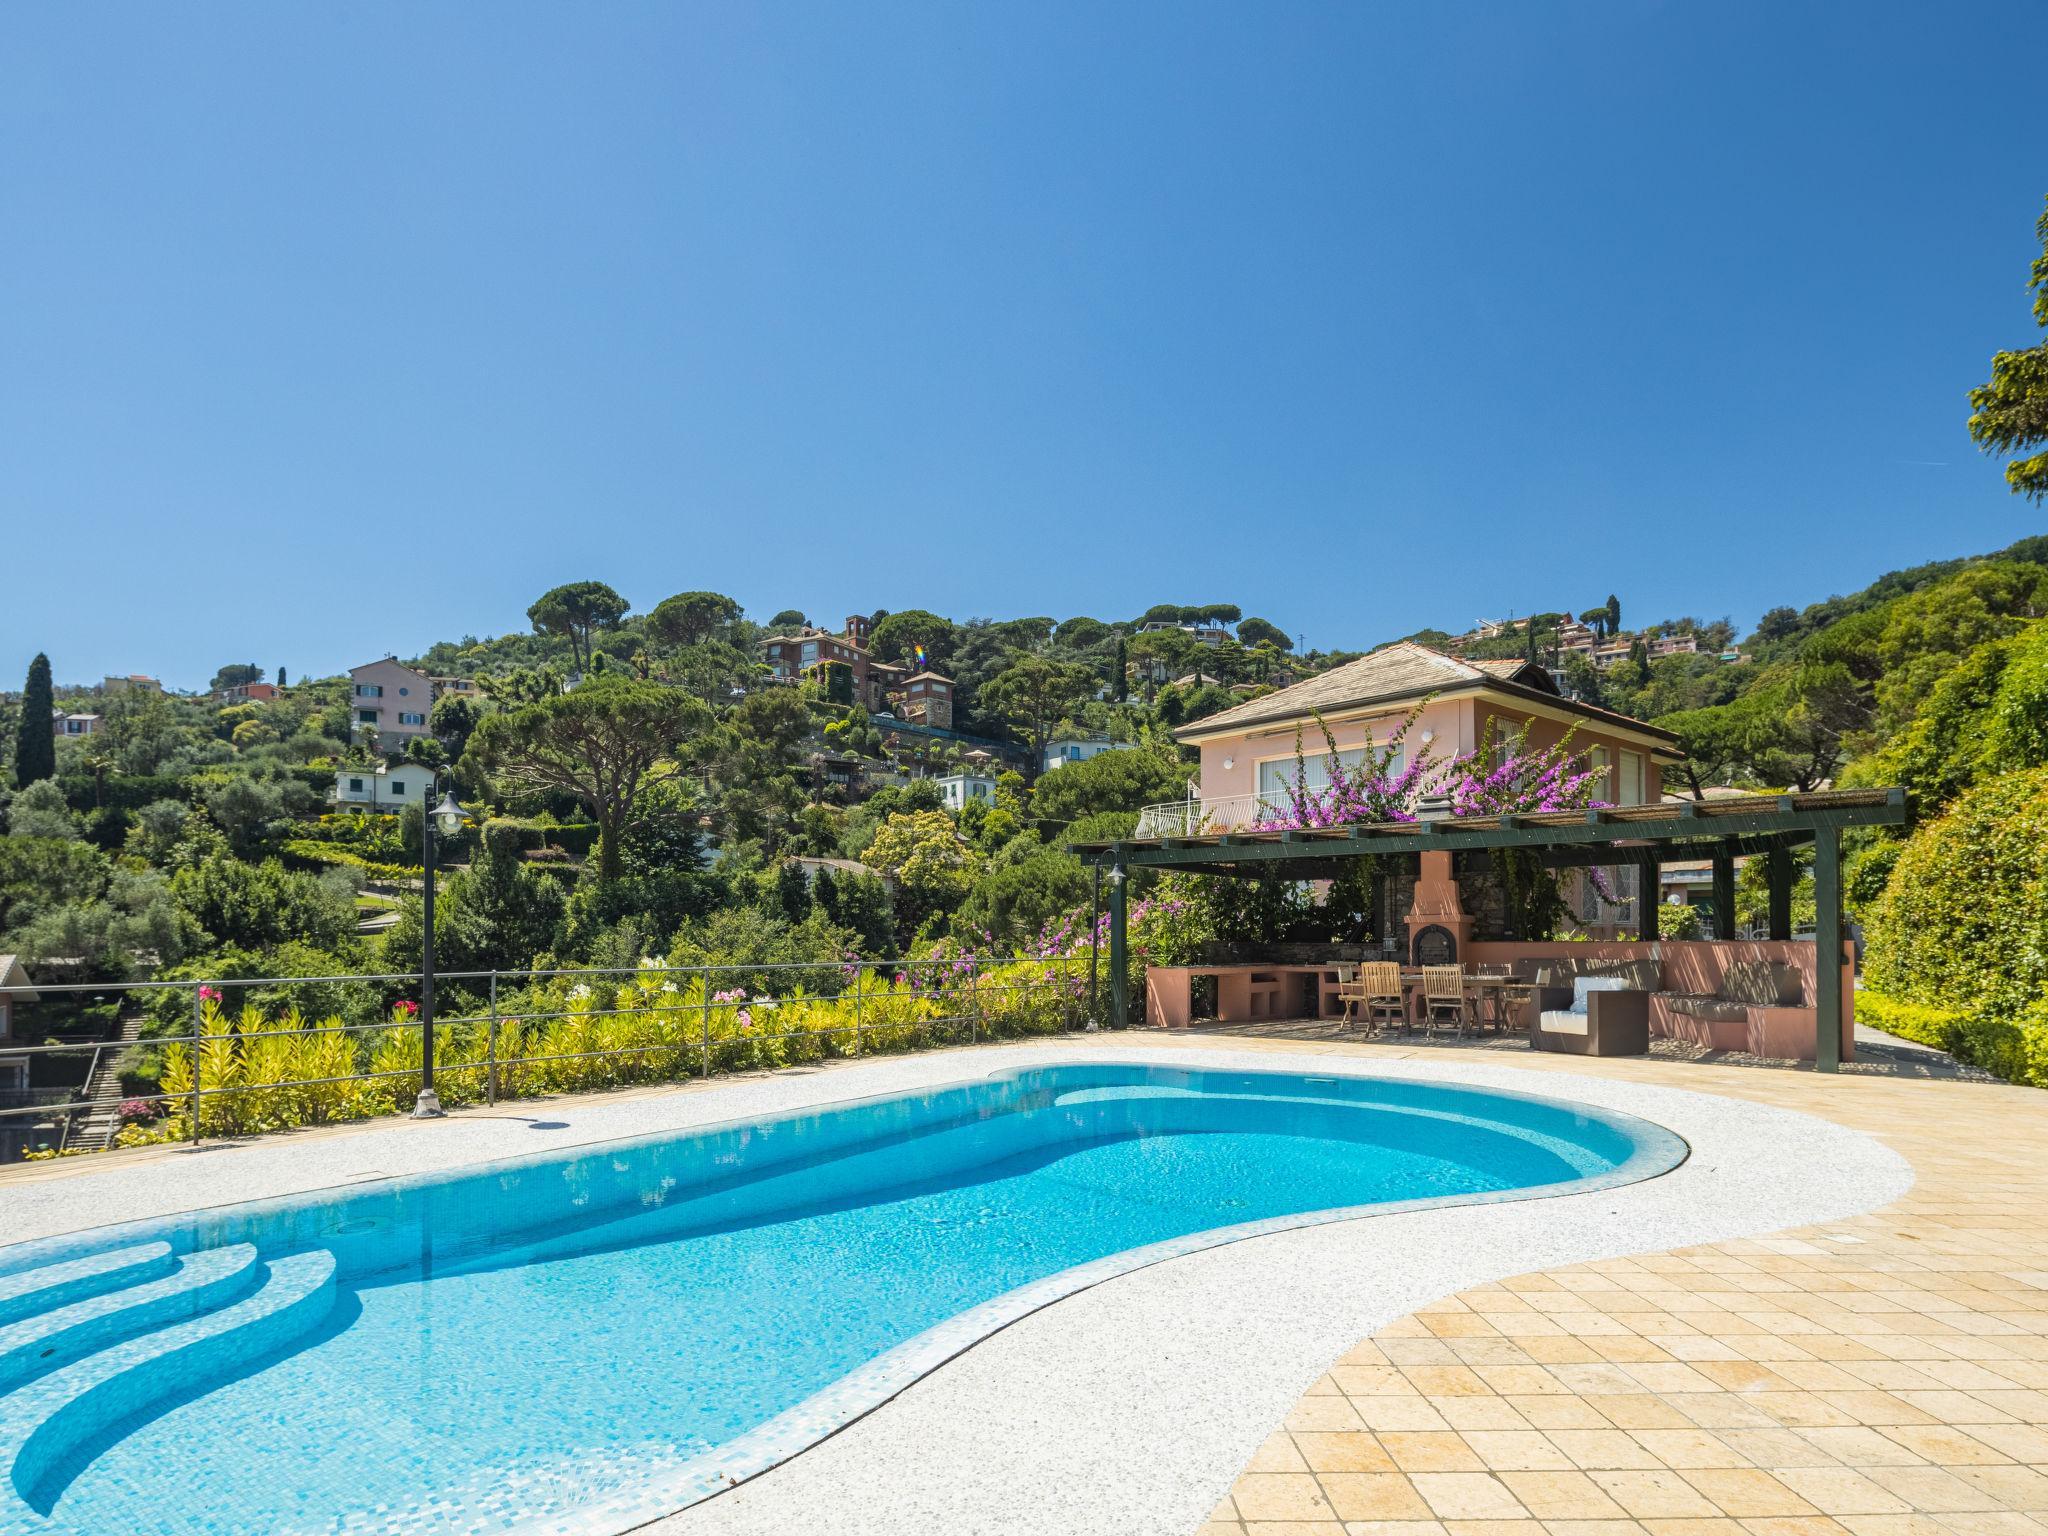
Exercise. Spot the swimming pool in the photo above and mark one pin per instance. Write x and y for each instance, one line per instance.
(575, 1342)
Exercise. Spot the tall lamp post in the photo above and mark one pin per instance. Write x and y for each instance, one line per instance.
(449, 817)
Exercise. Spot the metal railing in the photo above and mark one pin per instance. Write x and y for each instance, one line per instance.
(509, 1042)
(1191, 817)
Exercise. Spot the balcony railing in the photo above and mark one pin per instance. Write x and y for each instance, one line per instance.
(1189, 818)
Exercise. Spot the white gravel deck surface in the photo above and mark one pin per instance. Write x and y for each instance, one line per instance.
(1127, 1409)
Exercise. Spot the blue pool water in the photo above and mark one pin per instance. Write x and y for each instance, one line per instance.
(571, 1343)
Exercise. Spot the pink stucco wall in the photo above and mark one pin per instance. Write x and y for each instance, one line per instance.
(1697, 966)
(1456, 725)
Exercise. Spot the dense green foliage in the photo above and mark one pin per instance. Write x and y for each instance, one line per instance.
(1963, 921)
(2011, 412)
(607, 743)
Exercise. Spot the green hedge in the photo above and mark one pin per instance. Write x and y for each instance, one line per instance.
(1962, 927)
(576, 838)
(2014, 1050)
(309, 853)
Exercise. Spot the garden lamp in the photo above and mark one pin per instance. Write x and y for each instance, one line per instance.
(448, 815)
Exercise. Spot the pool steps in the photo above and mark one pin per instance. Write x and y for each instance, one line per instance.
(58, 1285)
(51, 1341)
(46, 1419)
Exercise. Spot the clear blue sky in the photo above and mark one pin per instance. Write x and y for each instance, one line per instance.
(327, 330)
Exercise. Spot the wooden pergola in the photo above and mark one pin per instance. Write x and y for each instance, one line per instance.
(1646, 836)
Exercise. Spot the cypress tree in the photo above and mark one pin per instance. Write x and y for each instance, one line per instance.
(35, 747)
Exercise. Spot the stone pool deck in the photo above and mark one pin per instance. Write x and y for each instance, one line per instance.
(1880, 1375)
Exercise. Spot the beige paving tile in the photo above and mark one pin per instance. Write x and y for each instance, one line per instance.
(1374, 1496)
(1562, 1496)
(1884, 1375)
(1517, 1450)
(1747, 1491)
(1468, 1496)
(1341, 1451)
(1655, 1495)
(1431, 1451)
(1280, 1496)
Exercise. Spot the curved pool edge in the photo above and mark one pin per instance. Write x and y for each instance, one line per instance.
(1129, 1409)
(28, 1253)
(808, 1424)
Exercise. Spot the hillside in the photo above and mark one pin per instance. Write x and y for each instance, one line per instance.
(198, 836)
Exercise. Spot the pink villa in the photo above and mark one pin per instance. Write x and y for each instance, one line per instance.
(1440, 901)
(1248, 753)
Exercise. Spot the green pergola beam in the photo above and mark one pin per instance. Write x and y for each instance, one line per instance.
(1803, 824)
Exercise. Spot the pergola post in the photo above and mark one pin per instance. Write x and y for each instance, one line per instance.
(1724, 891)
(1778, 881)
(1827, 949)
(1119, 970)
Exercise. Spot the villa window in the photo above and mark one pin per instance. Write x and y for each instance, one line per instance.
(369, 690)
(366, 717)
(1630, 789)
(411, 719)
(398, 786)
(1276, 776)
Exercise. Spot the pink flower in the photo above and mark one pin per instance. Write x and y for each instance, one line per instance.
(404, 1009)
(209, 994)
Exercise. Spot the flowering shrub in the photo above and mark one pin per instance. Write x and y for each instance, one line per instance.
(1512, 779)
(1369, 792)
(1503, 778)
(258, 1073)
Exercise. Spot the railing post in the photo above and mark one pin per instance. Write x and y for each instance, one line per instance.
(974, 997)
(491, 1048)
(860, 977)
(1119, 968)
(706, 1063)
(198, 1018)
(1095, 954)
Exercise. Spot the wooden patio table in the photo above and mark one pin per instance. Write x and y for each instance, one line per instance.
(1497, 990)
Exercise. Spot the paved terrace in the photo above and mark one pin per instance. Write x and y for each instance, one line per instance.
(1884, 1375)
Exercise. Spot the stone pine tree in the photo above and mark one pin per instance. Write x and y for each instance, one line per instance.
(35, 746)
(2011, 412)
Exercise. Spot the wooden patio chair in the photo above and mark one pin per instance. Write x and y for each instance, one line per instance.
(1351, 996)
(1384, 1004)
(1443, 998)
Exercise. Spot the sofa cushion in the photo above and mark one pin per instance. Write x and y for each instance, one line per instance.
(1584, 985)
(1560, 1021)
(1763, 982)
(1710, 1009)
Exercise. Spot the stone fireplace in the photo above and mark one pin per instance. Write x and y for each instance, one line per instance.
(1439, 927)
